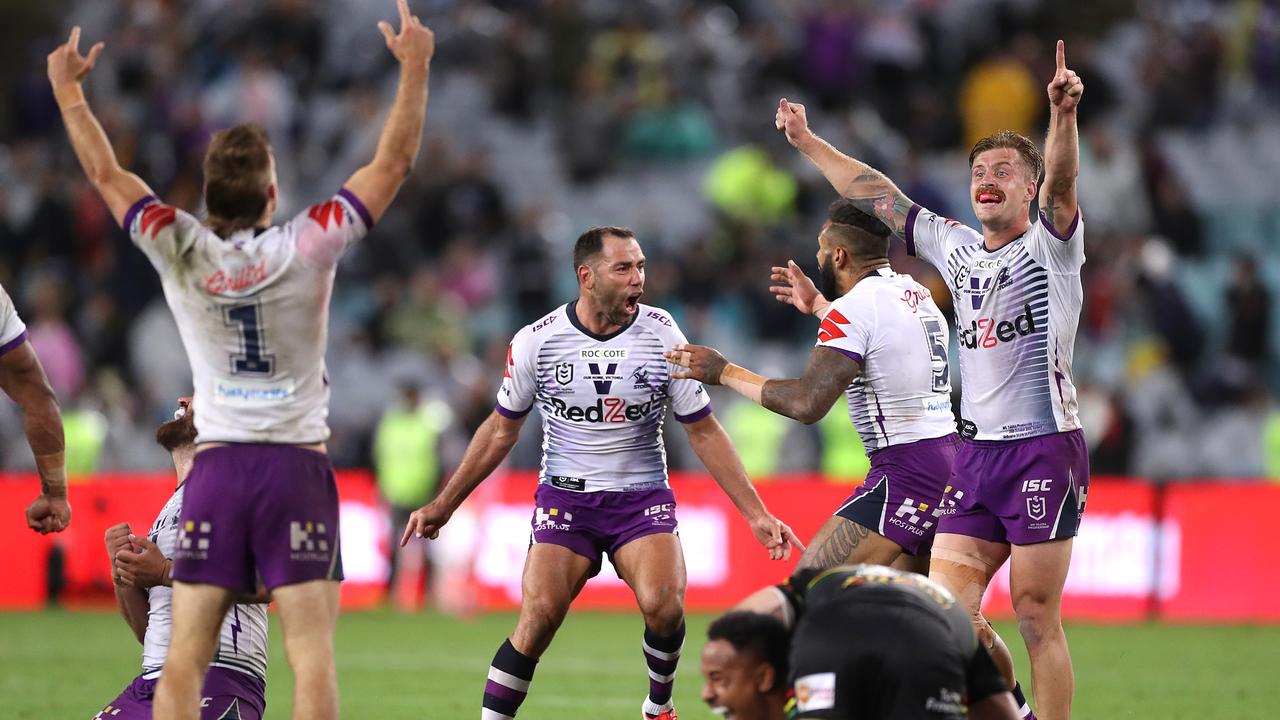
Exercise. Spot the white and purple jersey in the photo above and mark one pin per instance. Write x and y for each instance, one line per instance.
(602, 397)
(242, 640)
(253, 313)
(1017, 309)
(12, 331)
(890, 325)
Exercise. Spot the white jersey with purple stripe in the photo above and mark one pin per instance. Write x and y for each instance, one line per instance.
(602, 397)
(890, 325)
(242, 640)
(1017, 309)
(253, 313)
(12, 331)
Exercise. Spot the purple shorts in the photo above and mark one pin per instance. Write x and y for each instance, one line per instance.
(253, 512)
(903, 492)
(1018, 492)
(590, 523)
(227, 694)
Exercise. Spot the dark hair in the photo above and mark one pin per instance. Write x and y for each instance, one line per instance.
(1009, 139)
(237, 174)
(591, 242)
(178, 432)
(763, 635)
(864, 236)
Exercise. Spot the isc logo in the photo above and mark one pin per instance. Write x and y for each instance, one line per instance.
(1036, 486)
(659, 509)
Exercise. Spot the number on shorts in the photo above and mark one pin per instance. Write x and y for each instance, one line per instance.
(938, 350)
(253, 358)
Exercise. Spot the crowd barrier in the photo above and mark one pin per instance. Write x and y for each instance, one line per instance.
(1190, 552)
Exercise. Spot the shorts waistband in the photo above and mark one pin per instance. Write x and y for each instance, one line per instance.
(947, 439)
(581, 485)
(1021, 441)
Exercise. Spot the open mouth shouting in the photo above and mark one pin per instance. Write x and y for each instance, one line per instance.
(632, 303)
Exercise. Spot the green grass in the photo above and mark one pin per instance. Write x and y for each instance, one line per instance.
(392, 666)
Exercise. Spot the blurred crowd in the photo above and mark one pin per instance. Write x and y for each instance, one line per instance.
(548, 116)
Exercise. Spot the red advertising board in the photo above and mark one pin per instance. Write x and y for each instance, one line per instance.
(1143, 552)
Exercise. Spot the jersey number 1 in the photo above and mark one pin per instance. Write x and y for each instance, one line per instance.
(253, 358)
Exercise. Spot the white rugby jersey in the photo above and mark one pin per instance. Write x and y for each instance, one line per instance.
(1016, 314)
(12, 331)
(602, 398)
(242, 641)
(253, 313)
(890, 325)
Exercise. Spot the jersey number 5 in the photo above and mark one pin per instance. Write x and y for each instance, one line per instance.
(938, 350)
(252, 358)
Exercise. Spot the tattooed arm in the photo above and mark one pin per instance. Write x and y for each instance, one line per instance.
(806, 398)
(866, 187)
(1061, 147)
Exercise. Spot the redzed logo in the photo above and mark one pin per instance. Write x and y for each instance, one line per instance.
(830, 328)
(987, 332)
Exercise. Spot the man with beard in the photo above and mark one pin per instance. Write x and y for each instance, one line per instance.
(595, 369)
(141, 567)
(882, 342)
(858, 642)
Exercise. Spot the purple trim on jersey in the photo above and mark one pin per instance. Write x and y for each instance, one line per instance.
(910, 234)
(136, 208)
(14, 343)
(359, 206)
(513, 414)
(696, 415)
(1048, 225)
(856, 357)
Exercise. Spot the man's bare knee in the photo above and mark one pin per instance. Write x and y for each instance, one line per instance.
(662, 607)
(1037, 621)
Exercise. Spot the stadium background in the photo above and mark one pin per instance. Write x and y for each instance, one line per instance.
(550, 116)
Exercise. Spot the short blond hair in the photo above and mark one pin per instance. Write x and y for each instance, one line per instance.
(1009, 139)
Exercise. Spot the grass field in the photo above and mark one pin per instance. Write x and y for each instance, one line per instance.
(393, 666)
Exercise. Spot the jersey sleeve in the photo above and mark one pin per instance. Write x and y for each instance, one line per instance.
(689, 400)
(326, 230)
(12, 330)
(163, 232)
(847, 327)
(1061, 253)
(930, 236)
(520, 380)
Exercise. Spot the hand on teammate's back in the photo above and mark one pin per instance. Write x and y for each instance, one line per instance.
(67, 66)
(415, 43)
(1066, 88)
(797, 290)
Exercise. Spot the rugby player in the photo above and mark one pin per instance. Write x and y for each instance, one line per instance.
(1020, 481)
(22, 378)
(235, 685)
(251, 303)
(883, 342)
(595, 369)
(866, 643)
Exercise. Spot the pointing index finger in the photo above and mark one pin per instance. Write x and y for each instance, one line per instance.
(1062, 55)
(405, 17)
(74, 40)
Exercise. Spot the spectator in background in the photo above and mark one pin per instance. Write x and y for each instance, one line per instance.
(52, 337)
(1248, 304)
(1001, 93)
(406, 458)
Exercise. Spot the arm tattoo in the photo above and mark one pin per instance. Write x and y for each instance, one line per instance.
(838, 548)
(808, 398)
(876, 195)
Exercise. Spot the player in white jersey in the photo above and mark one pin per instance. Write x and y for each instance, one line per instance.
(595, 369)
(22, 378)
(235, 685)
(1020, 480)
(882, 342)
(251, 302)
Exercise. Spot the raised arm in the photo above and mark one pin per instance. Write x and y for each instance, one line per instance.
(22, 378)
(67, 69)
(807, 398)
(1061, 147)
(493, 440)
(867, 187)
(712, 446)
(377, 183)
